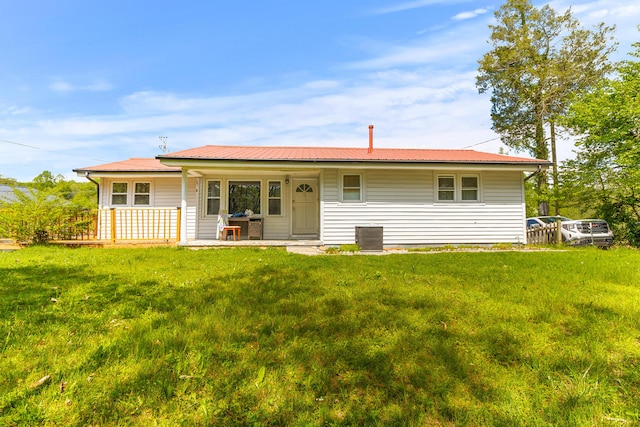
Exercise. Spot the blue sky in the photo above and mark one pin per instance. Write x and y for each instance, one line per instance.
(85, 82)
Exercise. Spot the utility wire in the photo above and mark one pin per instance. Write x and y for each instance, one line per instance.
(44, 149)
(57, 152)
(482, 142)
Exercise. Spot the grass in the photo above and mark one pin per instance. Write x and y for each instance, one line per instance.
(165, 336)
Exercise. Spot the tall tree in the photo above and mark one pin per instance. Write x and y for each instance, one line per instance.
(538, 59)
(605, 175)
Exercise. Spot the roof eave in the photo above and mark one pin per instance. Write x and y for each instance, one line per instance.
(189, 162)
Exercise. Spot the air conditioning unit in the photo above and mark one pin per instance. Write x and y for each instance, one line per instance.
(370, 238)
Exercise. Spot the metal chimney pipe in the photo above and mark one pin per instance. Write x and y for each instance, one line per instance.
(370, 139)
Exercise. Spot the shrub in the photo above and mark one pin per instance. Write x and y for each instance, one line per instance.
(35, 216)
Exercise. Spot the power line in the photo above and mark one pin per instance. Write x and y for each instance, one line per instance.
(67, 154)
(41, 149)
(53, 151)
(482, 142)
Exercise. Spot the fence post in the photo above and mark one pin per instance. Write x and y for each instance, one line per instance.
(94, 231)
(178, 222)
(113, 225)
(558, 232)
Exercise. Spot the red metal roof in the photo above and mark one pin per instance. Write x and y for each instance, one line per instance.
(339, 154)
(135, 164)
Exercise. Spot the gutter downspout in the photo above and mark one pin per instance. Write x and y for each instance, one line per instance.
(86, 175)
(533, 174)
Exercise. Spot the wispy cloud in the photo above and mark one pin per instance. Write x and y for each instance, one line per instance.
(400, 7)
(15, 110)
(469, 15)
(64, 86)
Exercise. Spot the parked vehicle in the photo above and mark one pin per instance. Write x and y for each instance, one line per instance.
(541, 221)
(579, 232)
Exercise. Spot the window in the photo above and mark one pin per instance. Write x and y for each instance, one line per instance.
(275, 198)
(446, 188)
(351, 188)
(469, 188)
(142, 193)
(119, 193)
(244, 195)
(458, 188)
(213, 197)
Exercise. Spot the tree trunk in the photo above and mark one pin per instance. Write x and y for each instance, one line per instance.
(554, 160)
(541, 152)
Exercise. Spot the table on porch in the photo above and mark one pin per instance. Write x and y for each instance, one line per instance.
(249, 226)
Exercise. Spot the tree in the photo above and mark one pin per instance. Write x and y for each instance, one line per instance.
(47, 180)
(7, 181)
(539, 59)
(605, 174)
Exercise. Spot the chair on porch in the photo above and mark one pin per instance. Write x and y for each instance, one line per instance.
(223, 229)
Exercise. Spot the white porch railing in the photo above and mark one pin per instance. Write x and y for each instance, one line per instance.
(139, 224)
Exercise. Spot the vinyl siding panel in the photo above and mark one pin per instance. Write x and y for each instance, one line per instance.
(403, 203)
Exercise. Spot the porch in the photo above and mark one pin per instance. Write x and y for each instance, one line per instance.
(156, 226)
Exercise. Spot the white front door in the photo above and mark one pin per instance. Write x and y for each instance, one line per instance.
(305, 207)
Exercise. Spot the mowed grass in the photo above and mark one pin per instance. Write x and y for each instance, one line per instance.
(166, 336)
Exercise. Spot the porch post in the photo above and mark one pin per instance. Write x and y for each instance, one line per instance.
(183, 207)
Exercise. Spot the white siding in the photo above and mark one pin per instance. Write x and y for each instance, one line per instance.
(403, 203)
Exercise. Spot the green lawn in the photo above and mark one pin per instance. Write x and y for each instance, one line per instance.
(166, 336)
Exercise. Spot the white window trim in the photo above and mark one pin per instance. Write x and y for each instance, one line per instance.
(134, 194)
(457, 188)
(362, 187)
(205, 192)
(112, 193)
(131, 188)
(269, 198)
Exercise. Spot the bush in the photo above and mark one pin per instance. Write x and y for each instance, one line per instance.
(35, 216)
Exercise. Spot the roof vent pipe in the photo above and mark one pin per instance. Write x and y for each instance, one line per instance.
(370, 139)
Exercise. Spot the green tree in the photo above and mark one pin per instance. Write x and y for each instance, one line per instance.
(76, 194)
(47, 180)
(538, 59)
(605, 174)
(7, 181)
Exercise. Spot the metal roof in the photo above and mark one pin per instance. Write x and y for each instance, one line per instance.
(135, 164)
(341, 154)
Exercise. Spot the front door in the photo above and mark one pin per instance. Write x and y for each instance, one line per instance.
(305, 207)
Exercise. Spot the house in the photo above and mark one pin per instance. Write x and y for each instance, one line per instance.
(417, 196)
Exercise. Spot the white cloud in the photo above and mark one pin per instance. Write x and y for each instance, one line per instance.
(413, 5)
(469, 15)
(14, 110)
(60, 86)
(63, 86)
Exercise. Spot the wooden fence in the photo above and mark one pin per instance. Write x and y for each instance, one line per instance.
(81, 225)
(548, 234)
(115, 224)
